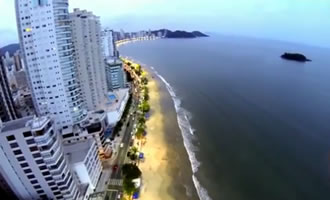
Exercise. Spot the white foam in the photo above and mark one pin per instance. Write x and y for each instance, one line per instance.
(183, 118)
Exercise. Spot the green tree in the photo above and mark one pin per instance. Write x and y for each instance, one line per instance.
(144, 106)
(131, 171)
(134, 150)
(139, 133)
(141, 120)
(144, 80)
(129, 187)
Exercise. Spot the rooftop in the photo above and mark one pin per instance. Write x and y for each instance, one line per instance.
(92, 117)
(113, 61)
(16, 124)
(77, 152)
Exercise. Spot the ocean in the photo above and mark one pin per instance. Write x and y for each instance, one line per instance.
(254, 126)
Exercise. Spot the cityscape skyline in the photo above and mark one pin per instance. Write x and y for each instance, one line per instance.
(278, 20)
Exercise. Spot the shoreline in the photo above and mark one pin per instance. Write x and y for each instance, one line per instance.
(166, 171)
(155, 173)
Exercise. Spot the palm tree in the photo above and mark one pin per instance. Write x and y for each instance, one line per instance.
(129, 187)
(139, 133)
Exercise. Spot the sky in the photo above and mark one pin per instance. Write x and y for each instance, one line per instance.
(300, 21)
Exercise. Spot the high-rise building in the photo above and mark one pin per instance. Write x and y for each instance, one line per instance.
(17, 61)
(33, 163)
(7, 106)
(84, 161)
(108, 43)
(86, 32)
(116, 77)
(46, 43)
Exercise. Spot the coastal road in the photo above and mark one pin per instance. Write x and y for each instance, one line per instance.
(122, 153)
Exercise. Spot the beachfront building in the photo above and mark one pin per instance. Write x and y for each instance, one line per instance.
(108, 44)
(93, 127)
(32, 160)
(89, 59)
(115, 74)
(85, 163)
(7, 107)
(46, 43)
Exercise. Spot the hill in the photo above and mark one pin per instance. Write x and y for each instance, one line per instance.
(11, 48)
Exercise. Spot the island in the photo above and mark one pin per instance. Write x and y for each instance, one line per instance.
(179, 34)
(295, 56)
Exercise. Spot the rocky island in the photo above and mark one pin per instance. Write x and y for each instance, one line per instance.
(179, 34)
(295, 56)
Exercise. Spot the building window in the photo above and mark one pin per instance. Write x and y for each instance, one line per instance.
(40, 191)
(31, 176)
(27, 134)
(27, 171)
(21, 158)
(48, 178)
(14, 145)
(39, 161)
(34, 148)
(45, 173)
(24, 165)
(34, 182)
(43, 167)
(17, 152)
(51, 183)
(37, 187)
(54, 188)
(36, 155)
(30, 141)
(11, 138)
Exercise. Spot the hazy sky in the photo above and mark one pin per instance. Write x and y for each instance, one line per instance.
(302, 21)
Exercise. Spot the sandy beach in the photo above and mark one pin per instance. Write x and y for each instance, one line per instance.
(155, 169)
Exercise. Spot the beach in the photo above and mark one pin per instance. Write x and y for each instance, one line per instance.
(156, 177)
(166, 171)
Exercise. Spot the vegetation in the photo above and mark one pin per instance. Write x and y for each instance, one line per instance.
(138, 70)
(131, 171)
(144, 80)
(140, 132)
(129, 187)
(144, 106)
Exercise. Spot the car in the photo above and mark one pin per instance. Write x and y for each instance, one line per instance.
(115, 167)
(121, 145)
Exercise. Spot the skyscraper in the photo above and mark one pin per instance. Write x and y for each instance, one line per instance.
(7, 106)
(86, 32)
(46, 42)
(33, 163)
(108, 43)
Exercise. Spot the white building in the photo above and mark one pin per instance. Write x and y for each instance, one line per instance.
(86, 32)
(85, 163)
(94, 126)
(108, 43)
(33, 162)
(115, 74)
(46, 43)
